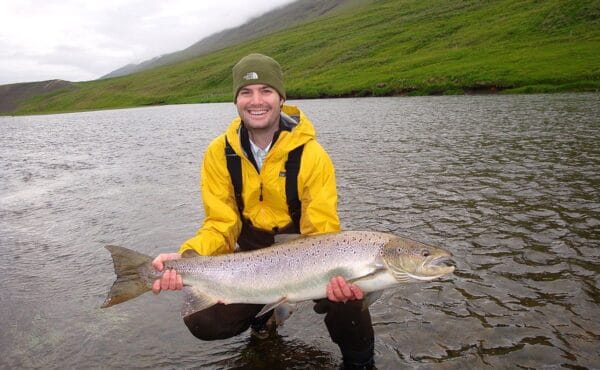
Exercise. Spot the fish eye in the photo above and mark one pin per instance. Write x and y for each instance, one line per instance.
(425, 253)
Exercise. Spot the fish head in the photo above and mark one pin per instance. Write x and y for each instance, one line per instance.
(410, 260)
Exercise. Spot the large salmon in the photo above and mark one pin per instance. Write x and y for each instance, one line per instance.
(294, 271)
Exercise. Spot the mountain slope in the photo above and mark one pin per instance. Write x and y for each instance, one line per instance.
(12, 95)
(386, 47)
(273, 21)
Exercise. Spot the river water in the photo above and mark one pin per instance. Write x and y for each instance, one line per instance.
(509, 184)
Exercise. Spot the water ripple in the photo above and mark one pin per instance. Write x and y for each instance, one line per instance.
(509, 184)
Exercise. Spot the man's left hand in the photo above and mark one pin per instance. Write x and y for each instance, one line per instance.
(339, 290)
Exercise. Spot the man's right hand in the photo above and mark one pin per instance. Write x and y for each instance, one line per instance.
(170, 279)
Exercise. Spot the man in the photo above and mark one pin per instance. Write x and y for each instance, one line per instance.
(268, 175)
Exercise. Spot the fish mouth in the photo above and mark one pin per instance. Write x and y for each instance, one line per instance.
(442, 261)
(437, 267)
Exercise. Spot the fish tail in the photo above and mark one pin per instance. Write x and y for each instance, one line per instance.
(134, 275)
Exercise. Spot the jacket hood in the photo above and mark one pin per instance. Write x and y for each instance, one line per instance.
(287, 141)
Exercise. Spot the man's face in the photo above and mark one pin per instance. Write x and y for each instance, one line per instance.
(259, 106)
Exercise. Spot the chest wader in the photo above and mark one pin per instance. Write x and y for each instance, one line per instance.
(349, 325)
(252, 237)
(224, 321)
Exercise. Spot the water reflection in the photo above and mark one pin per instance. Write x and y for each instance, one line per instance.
(277, 352)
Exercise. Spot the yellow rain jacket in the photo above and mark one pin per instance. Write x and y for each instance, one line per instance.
(316, 188)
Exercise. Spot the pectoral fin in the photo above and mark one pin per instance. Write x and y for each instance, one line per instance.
(375, 269)
(195, 300)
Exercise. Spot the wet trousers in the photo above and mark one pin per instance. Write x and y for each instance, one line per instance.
(349, 325)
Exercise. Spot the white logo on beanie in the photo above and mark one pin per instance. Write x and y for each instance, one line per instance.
(250, 76)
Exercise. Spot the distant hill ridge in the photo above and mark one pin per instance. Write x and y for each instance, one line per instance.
(380, 48)
(272, 21)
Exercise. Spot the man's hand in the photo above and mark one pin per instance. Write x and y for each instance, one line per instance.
(339, 290)
(170, 279)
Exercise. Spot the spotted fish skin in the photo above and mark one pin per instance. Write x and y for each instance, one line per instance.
(294, 271)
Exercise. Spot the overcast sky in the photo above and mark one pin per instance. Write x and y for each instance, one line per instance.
(81, 40)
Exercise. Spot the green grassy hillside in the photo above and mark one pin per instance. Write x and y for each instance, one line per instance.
(298, 12)
(384, 48)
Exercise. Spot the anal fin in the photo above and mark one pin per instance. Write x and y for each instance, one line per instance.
(271, 306)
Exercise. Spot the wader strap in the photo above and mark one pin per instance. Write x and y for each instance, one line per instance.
(234, 166)
(292, 168)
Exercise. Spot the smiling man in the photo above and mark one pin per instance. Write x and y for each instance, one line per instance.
(268, 175)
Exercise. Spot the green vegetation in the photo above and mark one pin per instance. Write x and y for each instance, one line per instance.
(384, 47)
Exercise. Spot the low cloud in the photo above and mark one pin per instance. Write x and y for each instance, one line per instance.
(79, 40)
